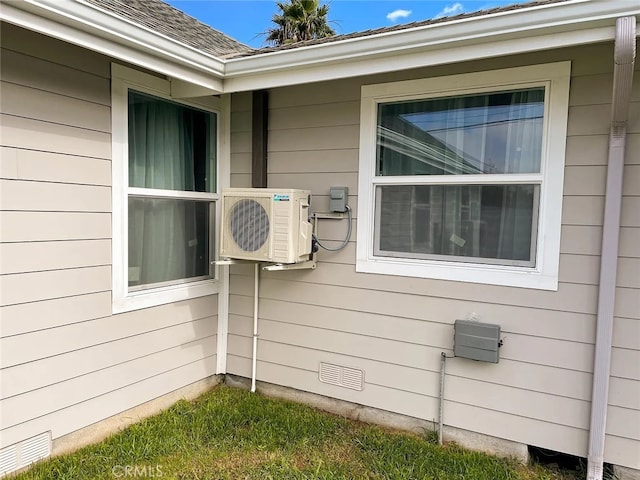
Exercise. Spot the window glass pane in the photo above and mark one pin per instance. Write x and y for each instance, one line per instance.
(493, 223)
(168, 240)
(171, 146)
(472, 134)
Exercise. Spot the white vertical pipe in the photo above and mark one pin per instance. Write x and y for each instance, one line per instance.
(255, 326)
(622, 81)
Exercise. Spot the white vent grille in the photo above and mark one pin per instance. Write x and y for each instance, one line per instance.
(23, 454)
(346, 377)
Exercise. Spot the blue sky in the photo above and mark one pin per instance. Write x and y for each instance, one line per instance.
(245, 20)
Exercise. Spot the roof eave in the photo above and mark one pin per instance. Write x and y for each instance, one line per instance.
(541, 27)
(86, 25)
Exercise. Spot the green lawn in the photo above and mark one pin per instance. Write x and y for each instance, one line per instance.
(232, 434)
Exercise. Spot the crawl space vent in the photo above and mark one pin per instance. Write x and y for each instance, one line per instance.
(346, 377)
(23, 454)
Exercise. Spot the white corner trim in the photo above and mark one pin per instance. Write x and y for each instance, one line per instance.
(222, 272)
(556, 77)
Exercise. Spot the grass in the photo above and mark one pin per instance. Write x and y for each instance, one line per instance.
(232, 434)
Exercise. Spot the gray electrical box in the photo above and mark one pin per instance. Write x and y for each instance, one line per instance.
(476, 341)
(338, 199)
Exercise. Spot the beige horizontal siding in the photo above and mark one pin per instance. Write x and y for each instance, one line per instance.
(74, 417)
(28, 71)
(629, 273)
(581, 240)
(626, 333)
(582, 210)
(416, 328)
(34, 316)
(631, 181)
(394, 327)
(32, 134)
(46, 399)
(241, 180)
(21, 349)
(587, 150)
(241, 163)
(580, 269)
(32, 287)
(317, 183)
(624, 392)
(633, 143)
(66, 361)
(57, 368)
(37, 104)
(240, 143)
(623, 422)
(337, 161)
(44, 226)
(529, 431)
(241, 121)
(577, 298)
(20, 164)
(403, 374)
(584, 180)
(54, 197)
(618, 451)
(314, 116)
(627, 303)
(629, 242)
(40, 256)
(629, 216)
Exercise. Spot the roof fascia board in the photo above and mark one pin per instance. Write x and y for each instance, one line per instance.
(578, 15)
(465, 51)
(85, 25)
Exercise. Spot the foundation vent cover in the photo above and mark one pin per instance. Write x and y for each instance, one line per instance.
(23, 454)
(346, 377)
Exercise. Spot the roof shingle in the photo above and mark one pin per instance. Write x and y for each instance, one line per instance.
(175, 24)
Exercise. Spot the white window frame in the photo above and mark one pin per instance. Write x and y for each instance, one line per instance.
(124, 79)
(555, 77)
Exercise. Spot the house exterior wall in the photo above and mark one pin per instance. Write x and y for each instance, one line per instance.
(66, 361)
(394, 328)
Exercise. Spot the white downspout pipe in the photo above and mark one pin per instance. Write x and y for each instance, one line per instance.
(624, 58)
(256, 299)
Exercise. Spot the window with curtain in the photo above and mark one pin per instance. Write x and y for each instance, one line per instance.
(171, 192)
(458, 178)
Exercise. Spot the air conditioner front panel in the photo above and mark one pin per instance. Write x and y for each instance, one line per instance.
(264, 224)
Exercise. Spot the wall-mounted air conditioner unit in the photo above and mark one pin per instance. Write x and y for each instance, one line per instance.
(266, 225)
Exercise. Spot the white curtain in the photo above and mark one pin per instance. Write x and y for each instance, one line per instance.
(491, 134)
(162, 232)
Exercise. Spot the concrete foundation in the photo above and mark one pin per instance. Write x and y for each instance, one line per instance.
(467, 439)
(104, 428)
(625, 473)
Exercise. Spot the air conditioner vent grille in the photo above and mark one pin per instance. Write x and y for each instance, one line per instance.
(249, 225)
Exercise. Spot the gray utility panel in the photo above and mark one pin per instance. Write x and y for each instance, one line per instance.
(477, 341)
(338, 197)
